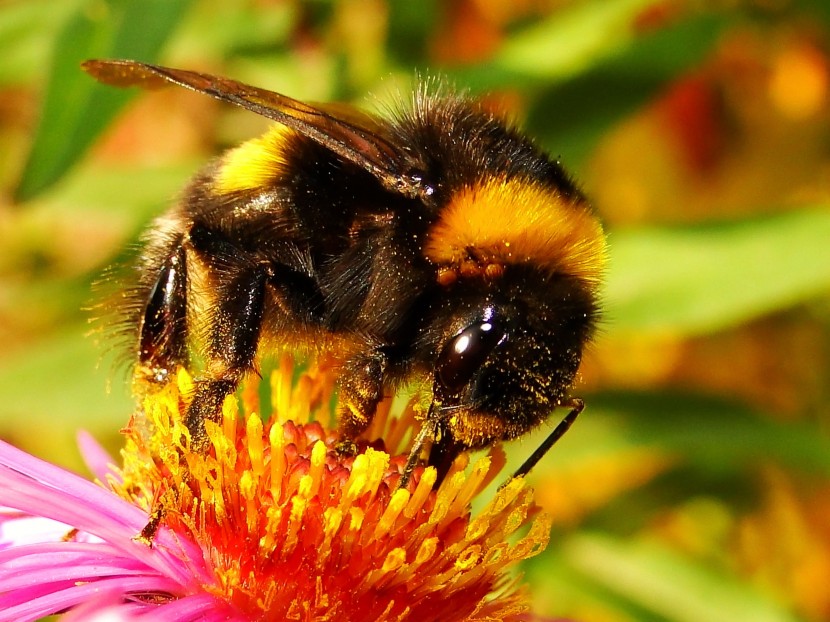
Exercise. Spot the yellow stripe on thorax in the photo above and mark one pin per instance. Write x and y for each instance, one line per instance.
(519, 222)
(255, 163)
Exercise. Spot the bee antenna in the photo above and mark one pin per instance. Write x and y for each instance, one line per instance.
(576, 405)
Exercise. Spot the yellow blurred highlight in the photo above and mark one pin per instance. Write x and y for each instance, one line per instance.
(785, 545)
(799, 82)
(590, 483)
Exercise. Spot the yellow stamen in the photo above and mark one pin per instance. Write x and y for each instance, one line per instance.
(277, 463)
(253, 436)
(291, 528)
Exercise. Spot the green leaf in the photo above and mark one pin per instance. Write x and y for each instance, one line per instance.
(26, 30)
(562, 593)
(715, 441)
(570, 41)
(60, 385)
(411, 24)
(564, 45)
(813, 9)
(699, 279)
(587, 68)
(668, 584)
(125, 194)
(570, 116)
(75, 108)
(710, 433)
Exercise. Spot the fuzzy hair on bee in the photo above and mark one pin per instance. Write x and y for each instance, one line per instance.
(436, 244)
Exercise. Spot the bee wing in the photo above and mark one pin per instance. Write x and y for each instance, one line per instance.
(342, 133)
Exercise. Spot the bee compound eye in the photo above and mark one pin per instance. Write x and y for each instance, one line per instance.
(465, 353)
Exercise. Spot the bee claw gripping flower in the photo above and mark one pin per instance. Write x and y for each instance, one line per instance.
(271, 523)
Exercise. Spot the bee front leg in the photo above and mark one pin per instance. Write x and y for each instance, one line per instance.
(361, 389)
(444, 451)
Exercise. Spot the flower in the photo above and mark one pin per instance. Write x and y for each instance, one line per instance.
(271, 523)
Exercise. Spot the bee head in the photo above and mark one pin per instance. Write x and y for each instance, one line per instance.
(508, 354)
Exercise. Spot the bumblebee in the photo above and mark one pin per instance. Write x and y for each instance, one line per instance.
(438, 243)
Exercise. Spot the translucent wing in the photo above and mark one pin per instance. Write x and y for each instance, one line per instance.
(344, 134)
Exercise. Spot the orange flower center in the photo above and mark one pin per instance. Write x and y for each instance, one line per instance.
(293, 530)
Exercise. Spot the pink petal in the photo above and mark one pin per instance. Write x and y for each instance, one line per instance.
(35, 487)
(97, 459)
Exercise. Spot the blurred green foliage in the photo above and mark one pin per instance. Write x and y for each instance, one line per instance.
(76, 111)
(578, 74)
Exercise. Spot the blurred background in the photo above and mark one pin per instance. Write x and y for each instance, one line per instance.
(696, 485)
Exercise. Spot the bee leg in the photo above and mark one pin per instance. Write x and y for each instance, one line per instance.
(361, 389)
(576, 405)
(444, 451)
(428, 430)
(163, 335)
(231, 345)
(206, 404)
